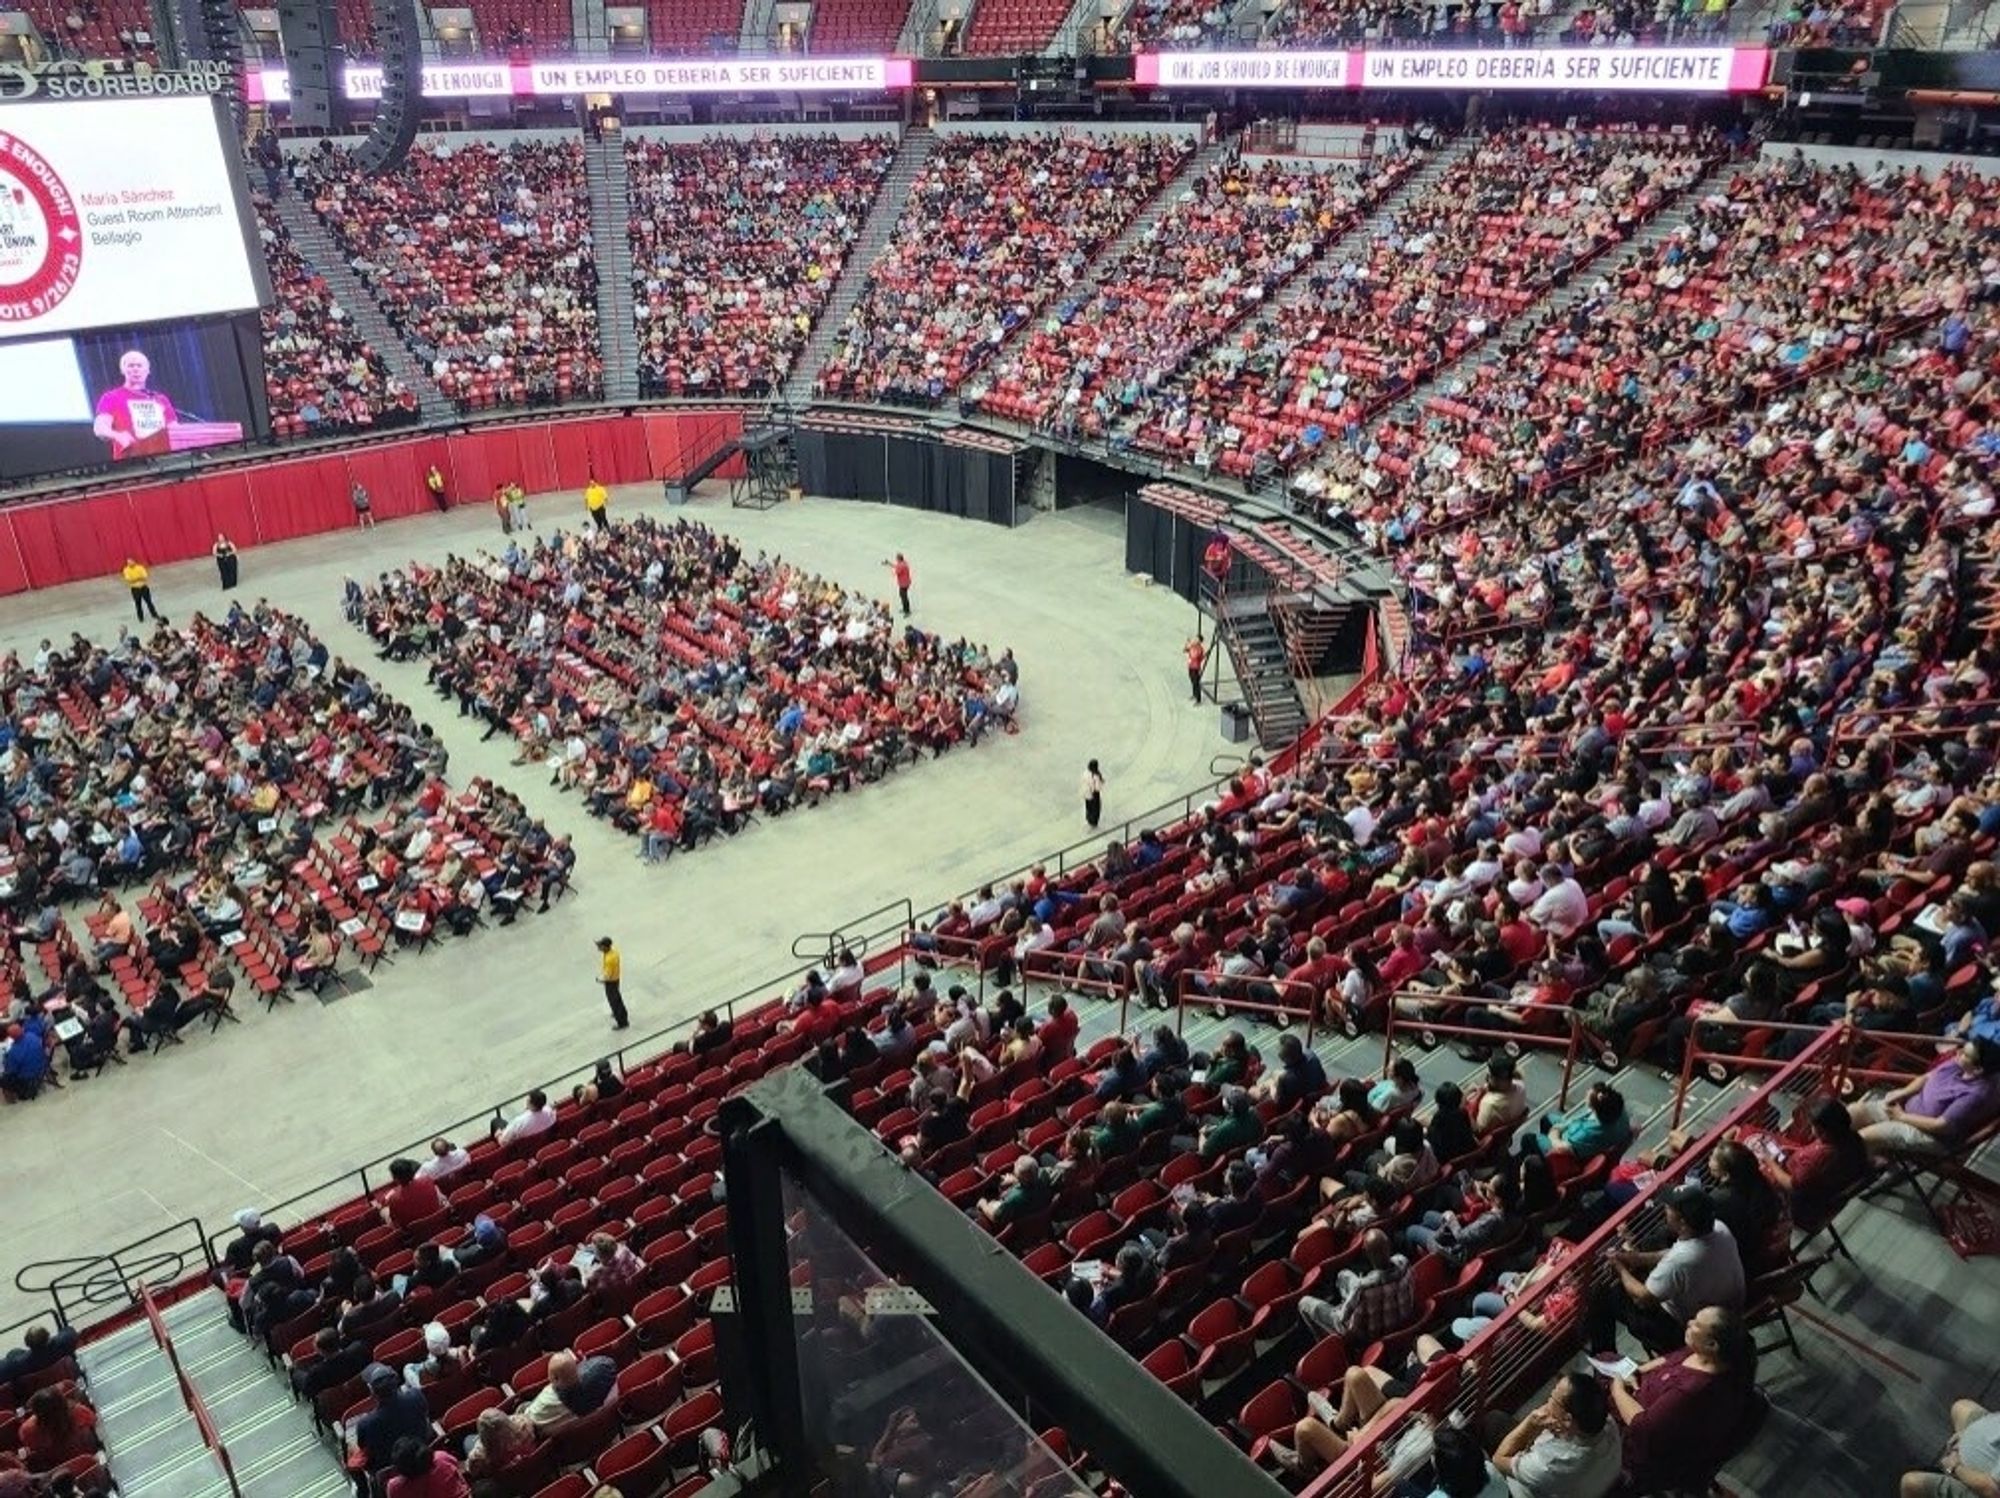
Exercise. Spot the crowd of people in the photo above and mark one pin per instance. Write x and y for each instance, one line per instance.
(993, 228)
(1785, 269)
(736, 245)
(1517, 213)
(482, 258)
(203, 765)
(1240, 231)
(320, 374)
(682, 686)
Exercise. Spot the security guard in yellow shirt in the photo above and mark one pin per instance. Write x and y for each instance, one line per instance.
(597, 500)
(608, 970)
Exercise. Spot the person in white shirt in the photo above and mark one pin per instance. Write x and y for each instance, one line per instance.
(447, 1159)
(537, 1118)
(1361, 822)
(1562, 907)
(1568, 1446)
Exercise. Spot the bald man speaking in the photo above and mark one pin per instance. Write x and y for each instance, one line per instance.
(132, 412)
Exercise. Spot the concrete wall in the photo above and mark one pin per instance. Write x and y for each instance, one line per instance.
(1866, 158)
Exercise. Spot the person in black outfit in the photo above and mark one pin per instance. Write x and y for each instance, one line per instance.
(399, 1412)
(41, 1349)
(503, 1325)
(335, 1364)
(558, 1290)
(947, 1122)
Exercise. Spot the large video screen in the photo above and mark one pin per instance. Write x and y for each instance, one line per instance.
(119, 395)
(115, 212)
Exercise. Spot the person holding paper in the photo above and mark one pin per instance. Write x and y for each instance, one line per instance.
(132, 411)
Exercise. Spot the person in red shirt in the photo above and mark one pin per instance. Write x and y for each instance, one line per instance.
(412, 1198)
(424, 1473)
(57, 1430)
(1059, 1030)
(901, 568)
(1197, 657)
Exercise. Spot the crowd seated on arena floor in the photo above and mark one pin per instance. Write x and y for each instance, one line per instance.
(1238, 233)
(994, 226)
(1778, 273)
(199, 766)
(736, 245)
(482, 258)
(320, 375)
(1518, 214)
(682, 687)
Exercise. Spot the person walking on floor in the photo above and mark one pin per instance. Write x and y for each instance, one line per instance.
(1093, 794)
(137, 579)
(364, 508)
(225, 562)
(504, 509)
(597, 501)
(901, 568)
(608, 969)
(517, 501)
(434, 486)
(1197, 657)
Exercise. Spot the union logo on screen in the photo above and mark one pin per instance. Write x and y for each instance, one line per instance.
(41, 237)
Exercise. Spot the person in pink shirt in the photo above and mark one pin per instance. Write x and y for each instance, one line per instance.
(132, 412)
(423, 1473)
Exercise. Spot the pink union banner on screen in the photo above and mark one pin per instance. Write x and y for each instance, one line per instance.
(41, 234)
(660, 75)
(1685, 70)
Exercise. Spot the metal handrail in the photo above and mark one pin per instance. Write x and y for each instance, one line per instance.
(1059, 862)
(830, 942)
(210, 1436)
(1187, 996)
(1849, 1077)
(1429, 1032)
(1508, 1355)
(357, 1185)
(84, 1284)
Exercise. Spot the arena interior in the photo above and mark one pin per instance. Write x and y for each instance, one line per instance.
(955, 748)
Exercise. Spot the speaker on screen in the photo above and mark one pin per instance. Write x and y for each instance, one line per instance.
(397, 113)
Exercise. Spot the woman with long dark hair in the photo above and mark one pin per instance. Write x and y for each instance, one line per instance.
(1093, 794)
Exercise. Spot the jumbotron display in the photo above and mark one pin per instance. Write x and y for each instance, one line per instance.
(117, 212)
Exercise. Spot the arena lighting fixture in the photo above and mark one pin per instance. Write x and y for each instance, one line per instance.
(1607, 70)
(656, 75)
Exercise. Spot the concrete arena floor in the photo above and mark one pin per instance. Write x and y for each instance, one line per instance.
(270, 1108)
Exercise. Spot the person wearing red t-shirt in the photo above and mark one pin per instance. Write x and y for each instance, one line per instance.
(58, 1429)
(423, 1473)
(412, 1198)
(901, 568)
(1058, 1032)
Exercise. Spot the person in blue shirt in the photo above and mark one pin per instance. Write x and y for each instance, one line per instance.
(1299, 1074)
(1599, 1127)
(26, 1066)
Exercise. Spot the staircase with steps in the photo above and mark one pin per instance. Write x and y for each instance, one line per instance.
(315, 242)
(1263, 667)
(153, 1444)
(610, 214)
(911, 153)
(1506, 337)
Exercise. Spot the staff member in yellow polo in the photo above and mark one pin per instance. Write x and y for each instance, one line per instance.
(597, 500)
(136, 578)
(608, 970)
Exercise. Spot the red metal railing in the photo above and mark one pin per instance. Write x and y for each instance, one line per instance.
(1542, 1326)
(204, 1422)
(1228, 996)
(1564, 1037)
